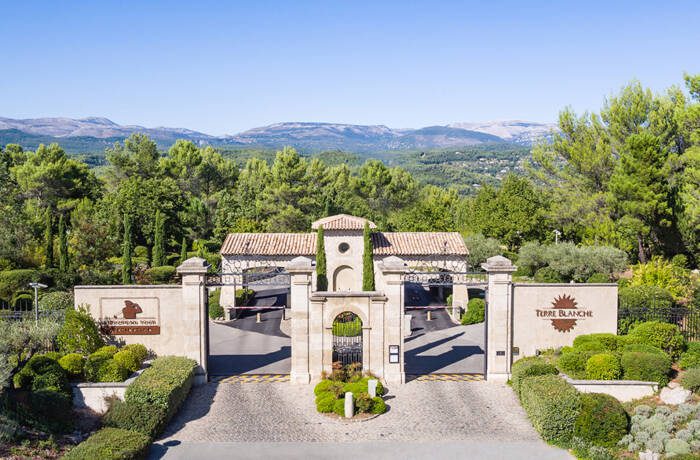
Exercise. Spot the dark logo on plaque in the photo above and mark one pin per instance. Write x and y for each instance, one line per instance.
(564, 313)
(131, 320)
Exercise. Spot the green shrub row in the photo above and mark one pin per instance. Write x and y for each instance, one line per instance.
(111, 444)
(164, 384)
(330, 396)
(560, 413)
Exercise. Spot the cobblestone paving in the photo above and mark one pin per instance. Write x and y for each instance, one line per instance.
(419, 411)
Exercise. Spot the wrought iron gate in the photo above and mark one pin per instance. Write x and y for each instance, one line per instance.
(347, 350)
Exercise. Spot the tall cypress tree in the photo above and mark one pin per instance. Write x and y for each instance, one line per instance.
(48, 238)
(183, 251)
(158, 241)
(62, 244)
(126, 251)
(321, 276)
(367, 261)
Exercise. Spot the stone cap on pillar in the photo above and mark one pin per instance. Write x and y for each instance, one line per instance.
(193, 266)
(300, 264)
(393, 264)
(498, 264)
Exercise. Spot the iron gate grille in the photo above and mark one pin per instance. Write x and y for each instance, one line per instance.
(347, 350)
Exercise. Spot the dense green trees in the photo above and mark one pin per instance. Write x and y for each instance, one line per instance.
(629, 175)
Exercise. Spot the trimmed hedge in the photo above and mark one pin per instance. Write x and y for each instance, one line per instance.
(603, 366)
(602, 420)
(164, 274)
(529, 367)
(691, 357)
(111, 444)
(552, 406)
(215, 308)
(661, 335)
(653, 367)
(165, 384)
(145, 419)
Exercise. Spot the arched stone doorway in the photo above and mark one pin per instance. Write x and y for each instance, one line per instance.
(343, 278)
(347, 340)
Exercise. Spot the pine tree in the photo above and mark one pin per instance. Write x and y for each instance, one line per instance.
(48, 238)
(62, 244)
(321, 276)
(367, 261)
(126, 251)
(158, 243)
(183, 251)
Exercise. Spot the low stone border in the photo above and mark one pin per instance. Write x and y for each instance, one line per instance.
(355, 419)
(94, 395)
(622, 390)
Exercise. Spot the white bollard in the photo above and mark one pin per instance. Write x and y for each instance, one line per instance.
(257, 318)
(372, 387)
(349, 405)
(430, 316)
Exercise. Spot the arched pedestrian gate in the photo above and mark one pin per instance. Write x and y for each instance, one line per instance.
(347, 339)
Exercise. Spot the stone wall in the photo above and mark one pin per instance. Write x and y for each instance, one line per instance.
(552, 315)
(167, 319)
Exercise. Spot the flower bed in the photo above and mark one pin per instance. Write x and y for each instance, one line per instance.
(330, 393)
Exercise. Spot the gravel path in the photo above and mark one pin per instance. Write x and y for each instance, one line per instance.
(280, 412)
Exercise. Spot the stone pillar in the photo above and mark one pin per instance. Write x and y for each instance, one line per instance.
(300, 270)
(194, 300)
(499, 314)
(392, 269)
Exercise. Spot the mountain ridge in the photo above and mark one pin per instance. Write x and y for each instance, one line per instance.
(308, 136)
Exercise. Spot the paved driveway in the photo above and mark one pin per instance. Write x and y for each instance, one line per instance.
(441, 346)
(244, 346)
(459, 419)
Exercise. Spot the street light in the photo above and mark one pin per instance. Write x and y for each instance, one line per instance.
(36, 286)
(557, 233)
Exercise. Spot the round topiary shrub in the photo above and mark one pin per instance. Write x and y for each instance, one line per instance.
(140, 351)
(91, 368)
(325, 402)
(603, 366)
(127, 360)
(73, 364)
(650, 367)
(573, 363)
(599, 341)
(79, 333)
(661, 335)
(161, 275)
(43, 373)
(690, 380)
(475, 312)
(339, 407)
(110, 350)
(642, 348)
(112, 371)
(378, 405)
(324, 386)
(601, 421)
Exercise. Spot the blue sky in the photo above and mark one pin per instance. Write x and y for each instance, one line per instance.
(223, 67)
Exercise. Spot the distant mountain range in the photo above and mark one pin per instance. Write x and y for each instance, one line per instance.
(94, 134)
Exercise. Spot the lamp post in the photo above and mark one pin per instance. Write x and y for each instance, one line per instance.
(36, 286)
(557, 233)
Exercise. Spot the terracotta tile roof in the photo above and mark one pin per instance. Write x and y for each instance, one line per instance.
(418, 243)
(270, 244)
(385, 244)
(342, 222)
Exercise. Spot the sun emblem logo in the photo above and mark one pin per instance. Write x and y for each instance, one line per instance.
(564, 302)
